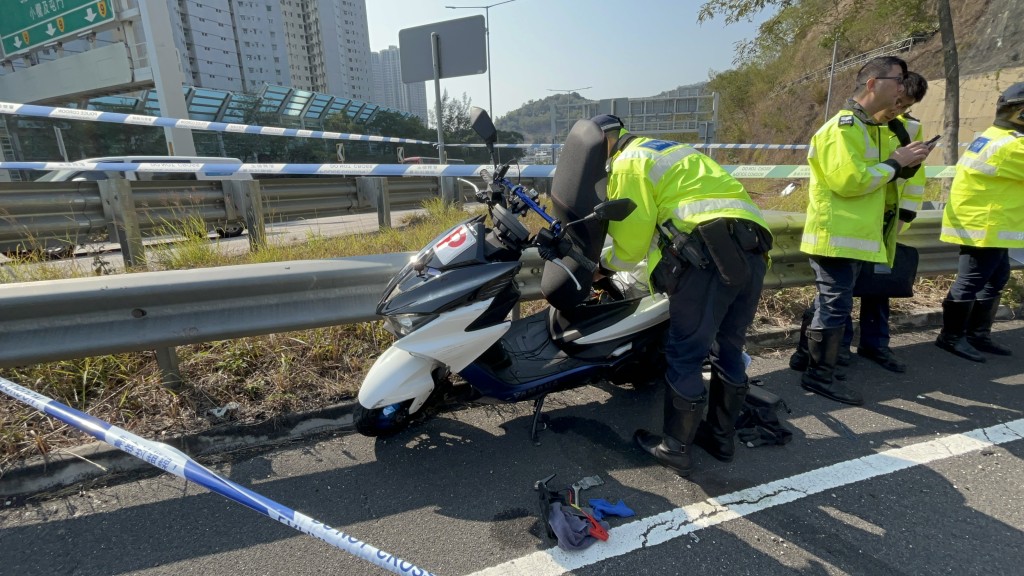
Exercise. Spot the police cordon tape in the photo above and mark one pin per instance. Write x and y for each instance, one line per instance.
(174, 461)
(753, 171)
(38, 111)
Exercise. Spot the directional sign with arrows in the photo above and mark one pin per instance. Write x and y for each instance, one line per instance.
(29, 24)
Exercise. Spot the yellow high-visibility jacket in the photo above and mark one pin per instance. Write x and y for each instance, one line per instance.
(668, 180)
(850, 180)
(911, 190)
(986, 201)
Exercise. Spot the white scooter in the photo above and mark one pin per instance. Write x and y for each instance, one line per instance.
(449, 305)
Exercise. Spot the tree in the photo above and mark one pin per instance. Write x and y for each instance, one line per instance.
(736, 10)
(951, 66)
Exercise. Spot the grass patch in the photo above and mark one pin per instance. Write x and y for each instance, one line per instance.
(270, 376)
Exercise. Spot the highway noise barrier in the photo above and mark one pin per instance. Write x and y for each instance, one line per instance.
(177, 463)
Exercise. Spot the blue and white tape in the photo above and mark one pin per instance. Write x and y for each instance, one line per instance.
(165, 122)
(743, 171)
(174, 461)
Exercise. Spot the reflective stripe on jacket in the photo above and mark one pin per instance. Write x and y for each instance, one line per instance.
(986, 200)
(668, 180)
(847, 191)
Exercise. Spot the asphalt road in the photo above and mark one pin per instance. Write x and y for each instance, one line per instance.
(926, 478)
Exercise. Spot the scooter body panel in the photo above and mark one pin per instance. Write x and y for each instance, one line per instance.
(395, 377)
(447, 340)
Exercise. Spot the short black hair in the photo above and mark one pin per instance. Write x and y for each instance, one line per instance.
(879, 67)
(915, 86)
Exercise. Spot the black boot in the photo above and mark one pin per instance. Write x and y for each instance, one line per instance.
(716, 433)
(979, 327)
(681, 418)
(799, 359)
(823, 348)
(952, 338)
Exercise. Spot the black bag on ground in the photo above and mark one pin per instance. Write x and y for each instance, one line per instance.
(758, 423)
(897, 282)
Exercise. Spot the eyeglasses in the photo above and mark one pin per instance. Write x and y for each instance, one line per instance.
(900, 78)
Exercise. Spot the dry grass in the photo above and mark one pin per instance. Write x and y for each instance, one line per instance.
(271, 376)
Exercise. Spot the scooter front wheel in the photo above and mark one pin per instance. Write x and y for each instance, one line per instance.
(386, 421)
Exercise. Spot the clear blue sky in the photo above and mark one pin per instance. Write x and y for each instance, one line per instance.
(619, 48)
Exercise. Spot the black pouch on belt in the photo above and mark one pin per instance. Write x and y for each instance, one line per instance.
(666, 274)
(725, 252)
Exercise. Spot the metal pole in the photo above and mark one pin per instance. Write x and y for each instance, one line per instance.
(831, 75)
(447, 194)
(487, 36)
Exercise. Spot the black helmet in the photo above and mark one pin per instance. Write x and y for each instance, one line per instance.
(1008, 106)
(608, 123)
(1012, 96)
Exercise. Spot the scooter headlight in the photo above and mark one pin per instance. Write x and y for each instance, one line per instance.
(403, 324)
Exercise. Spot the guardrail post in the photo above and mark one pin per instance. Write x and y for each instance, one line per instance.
(448, 190)
(170, 373)
(122, 220)
(247, 198)
(375, 191)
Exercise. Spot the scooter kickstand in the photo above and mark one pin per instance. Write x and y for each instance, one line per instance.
(538, 404)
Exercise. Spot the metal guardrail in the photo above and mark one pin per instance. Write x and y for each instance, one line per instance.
(57, 216)
(55, 320)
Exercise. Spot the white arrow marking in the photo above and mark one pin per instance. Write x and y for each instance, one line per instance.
(17, 41)
(90, 15)
(50, 29)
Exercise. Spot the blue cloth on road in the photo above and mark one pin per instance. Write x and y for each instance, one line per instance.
(604, 508)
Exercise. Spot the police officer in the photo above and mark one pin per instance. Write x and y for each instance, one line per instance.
(985, 216)
(705, 243)
(903, 196)
(852, 164)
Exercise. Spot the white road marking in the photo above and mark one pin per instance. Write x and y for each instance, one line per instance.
(713, 511)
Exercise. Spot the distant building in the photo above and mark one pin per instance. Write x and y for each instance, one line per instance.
(241, 45)
(388, 88)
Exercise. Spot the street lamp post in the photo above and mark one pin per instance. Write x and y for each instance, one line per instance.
(487, 34)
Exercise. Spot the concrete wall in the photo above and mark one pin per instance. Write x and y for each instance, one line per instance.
(978, 94)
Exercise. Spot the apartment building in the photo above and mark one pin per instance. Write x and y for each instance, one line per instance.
(388, 88)
(241, 45)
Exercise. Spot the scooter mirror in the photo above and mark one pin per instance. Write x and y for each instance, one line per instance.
(482, 125)
(614, 210)
(484, 128)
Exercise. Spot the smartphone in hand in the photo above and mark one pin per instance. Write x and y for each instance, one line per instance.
(933, 141)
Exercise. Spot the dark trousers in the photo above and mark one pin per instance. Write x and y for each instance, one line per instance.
(874, 323)
(834, 278)
(706, 318)
(981, 273)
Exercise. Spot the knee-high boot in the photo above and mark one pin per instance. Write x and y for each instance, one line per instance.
(979, 327)
(682, 415)
(716, 434)
(799, 359)
(953, 337)
(823, 348)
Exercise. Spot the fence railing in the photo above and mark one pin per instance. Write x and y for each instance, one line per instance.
(55, 320)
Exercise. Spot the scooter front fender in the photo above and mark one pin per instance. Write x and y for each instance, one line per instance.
(395, 377)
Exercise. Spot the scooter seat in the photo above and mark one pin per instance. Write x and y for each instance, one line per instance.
(565, 326)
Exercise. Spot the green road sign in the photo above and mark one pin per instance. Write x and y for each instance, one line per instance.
(28, 24)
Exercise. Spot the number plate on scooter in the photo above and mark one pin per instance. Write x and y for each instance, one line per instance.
(456, 242)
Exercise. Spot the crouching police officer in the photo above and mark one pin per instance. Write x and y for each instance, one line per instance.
(985, 216)
(705, 243)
